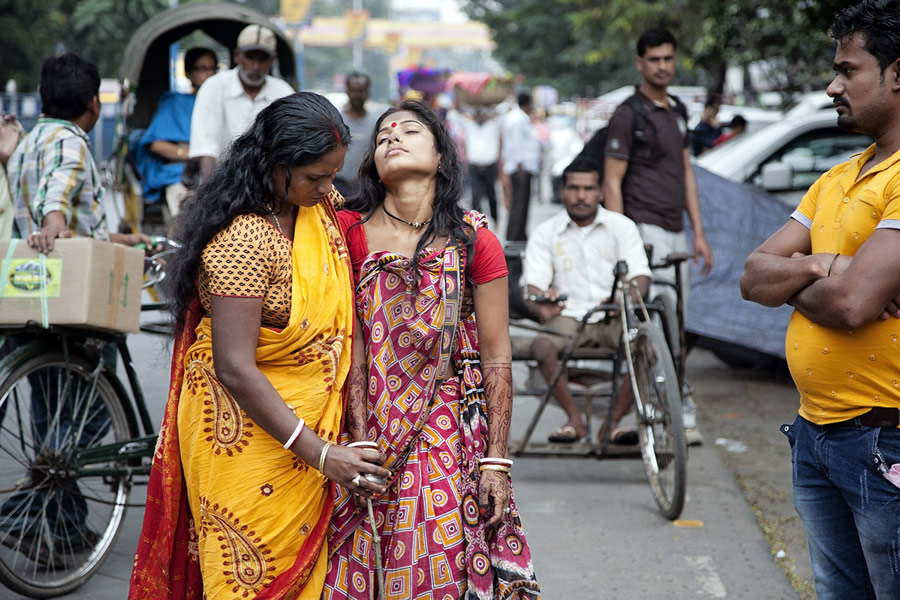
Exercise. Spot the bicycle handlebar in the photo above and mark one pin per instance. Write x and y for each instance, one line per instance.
(671, 260)
(155, 265)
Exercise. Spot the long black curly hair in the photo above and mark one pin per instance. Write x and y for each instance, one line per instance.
(294, 131)
(447, 215)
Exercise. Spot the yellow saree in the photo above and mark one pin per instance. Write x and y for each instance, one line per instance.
(258, 515)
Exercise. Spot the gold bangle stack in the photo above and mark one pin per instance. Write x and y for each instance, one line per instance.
(498, 468)
(323, 455)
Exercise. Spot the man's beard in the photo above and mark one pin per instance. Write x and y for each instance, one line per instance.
(253, 79)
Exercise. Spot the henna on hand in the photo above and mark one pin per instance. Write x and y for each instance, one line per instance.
(498, 393)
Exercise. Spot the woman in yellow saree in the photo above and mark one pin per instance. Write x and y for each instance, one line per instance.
(239, 497)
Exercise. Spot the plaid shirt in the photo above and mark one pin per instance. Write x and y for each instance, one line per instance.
(53, 169)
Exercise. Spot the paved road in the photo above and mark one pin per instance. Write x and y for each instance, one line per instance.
(593, 526)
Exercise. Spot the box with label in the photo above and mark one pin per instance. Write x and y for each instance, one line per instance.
(86, 283)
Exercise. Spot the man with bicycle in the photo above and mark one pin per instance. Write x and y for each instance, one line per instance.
(568, 270)
(649, 176)
(57, 193)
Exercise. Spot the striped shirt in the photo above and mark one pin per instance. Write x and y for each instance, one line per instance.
(53, 169)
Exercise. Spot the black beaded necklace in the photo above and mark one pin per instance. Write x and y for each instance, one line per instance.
(411, 224)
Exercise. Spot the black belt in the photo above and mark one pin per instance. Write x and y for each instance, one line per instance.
(880, 416)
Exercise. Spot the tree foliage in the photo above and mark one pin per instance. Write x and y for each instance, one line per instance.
(538, 39)
(581, 43)
(96, 29)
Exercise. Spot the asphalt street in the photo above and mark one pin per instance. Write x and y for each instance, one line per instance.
(593, 526)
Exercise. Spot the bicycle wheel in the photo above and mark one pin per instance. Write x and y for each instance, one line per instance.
(658, 413)
(56, 524)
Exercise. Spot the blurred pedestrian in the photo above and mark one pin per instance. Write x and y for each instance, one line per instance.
(737, 126)
(709, 128)
(521, 162)
(229, 101)
(360, 120)
(837, 261)
(649, 179)
(246, 453)
(481, 136)
(11, 133)
(163, 148)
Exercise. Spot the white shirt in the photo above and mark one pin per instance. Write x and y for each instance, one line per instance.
(579, 261)
(360, 132)
(520, 143)
(482, 141)
(223, 110)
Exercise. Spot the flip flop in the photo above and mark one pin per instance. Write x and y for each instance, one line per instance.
(623, 436)
(564, 435)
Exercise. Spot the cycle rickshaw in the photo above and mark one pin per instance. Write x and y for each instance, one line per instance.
(144, 76)
(643, 360)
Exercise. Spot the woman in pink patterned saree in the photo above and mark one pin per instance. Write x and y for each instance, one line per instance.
(430, 383)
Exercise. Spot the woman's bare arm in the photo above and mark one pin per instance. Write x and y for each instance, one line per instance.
(235, 333)
(492, 315)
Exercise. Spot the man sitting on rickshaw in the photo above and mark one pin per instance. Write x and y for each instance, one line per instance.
(568, 270)
(229, 101)
(163, 149)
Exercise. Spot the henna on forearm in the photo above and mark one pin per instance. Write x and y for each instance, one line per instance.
(498, 393)
(356, 403)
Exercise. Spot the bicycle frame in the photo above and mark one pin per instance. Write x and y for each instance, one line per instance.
(624, 304)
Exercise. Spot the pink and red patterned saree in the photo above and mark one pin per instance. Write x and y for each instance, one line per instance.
(434, 541)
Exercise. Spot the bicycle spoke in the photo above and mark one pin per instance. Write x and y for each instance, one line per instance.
(56, 527)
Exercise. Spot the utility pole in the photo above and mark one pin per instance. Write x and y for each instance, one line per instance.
(357, 43)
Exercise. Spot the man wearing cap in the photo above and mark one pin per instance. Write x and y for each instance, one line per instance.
(229, 101)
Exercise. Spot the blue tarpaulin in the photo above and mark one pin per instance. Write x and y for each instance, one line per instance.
(737, 218)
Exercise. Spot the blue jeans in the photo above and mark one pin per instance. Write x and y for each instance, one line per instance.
(850, 510)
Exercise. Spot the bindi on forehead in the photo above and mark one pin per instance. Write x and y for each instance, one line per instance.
(395, 124)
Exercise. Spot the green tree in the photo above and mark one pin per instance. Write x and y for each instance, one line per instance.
(574, 44)
(97, 29)
(537, 38)
(31, 30)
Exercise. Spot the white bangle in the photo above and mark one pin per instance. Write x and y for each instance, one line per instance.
(498, 461)
(294, 435)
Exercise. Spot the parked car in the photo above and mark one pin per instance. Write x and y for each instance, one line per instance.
(748, 188)
(786, 157)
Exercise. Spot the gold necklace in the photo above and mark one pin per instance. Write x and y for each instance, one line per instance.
(411, 224)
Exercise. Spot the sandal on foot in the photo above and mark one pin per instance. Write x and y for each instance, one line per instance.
(623, 436)
(564, 435)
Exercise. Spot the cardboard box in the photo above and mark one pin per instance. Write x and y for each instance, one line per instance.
(87, 282)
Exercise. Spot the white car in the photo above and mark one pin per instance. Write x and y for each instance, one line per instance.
(786, 157)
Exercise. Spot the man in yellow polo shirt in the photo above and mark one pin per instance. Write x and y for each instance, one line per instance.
(837, 261)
